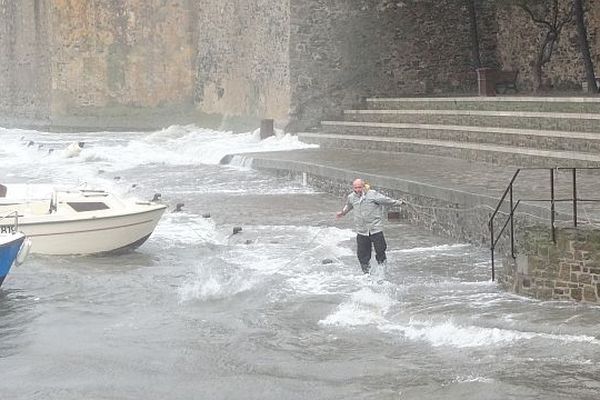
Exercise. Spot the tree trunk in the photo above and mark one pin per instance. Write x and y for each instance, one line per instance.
(538, 73)
(544, 56)
(584, 46)
(475, 53)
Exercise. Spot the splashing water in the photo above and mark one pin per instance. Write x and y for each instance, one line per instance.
(259, 313)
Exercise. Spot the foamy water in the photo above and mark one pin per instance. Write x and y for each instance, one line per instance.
(277, 308)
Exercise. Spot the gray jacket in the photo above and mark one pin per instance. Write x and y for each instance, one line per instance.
(368, 210)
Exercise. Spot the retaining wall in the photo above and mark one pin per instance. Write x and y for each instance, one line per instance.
(567, 270)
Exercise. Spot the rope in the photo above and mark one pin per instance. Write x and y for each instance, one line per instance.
(418, 209)
(307, 247)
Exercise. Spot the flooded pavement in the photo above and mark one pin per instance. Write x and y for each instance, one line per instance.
(279, 310)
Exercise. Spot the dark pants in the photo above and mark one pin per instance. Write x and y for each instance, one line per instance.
(363, 249)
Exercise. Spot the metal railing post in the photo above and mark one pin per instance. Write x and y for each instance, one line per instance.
(509, 191)
(512, 226)
(575, 197)
(492, 246)
(552, 204)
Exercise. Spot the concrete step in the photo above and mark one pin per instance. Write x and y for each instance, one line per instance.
(500, 103)
(500, 155)
(538, 139)
(562, 121)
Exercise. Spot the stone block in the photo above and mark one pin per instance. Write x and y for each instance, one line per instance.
(563, 244)
(585, 279)
(586, 255)
(522, 262)
(576, 294)
(542, 252)
(589, 294)
(564, 274)
(544, 293)
(574, 278)
(553, 254)
(535, 263)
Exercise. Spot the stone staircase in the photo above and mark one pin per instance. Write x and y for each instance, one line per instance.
(515, 131)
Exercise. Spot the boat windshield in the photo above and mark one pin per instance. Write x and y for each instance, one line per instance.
(87, 206)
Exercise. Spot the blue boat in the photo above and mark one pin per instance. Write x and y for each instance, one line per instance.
(10, 245)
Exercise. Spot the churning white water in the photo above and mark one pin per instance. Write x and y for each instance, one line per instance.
(279, 310)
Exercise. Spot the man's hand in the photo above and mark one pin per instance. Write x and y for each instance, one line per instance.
(339, 214)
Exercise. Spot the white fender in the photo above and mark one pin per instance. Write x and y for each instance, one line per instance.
(23, 251)
(72, 150)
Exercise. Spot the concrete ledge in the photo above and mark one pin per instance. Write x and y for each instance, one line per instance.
(505, 155)
(448, 211)
(480, 113)
(564, 121)
(466, 128)
(495, 99)
(585, 142)
(498, 103)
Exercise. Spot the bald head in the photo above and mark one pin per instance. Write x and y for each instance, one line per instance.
(358, 186)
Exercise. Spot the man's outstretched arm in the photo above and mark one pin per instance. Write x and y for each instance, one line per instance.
(345, 210)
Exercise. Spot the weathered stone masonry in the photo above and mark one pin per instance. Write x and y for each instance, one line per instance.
(158, 62)
(292, 60)
(569, 270)
(518, 41)
(242, 59)
(25, 74)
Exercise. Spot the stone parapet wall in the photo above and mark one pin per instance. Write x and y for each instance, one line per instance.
(567, 270)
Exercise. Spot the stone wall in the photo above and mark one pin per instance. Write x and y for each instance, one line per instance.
(567, 270)
(119, 54)
(297, 61)
(242, 58)
(341, 51)
(519, 41)
(24, 59)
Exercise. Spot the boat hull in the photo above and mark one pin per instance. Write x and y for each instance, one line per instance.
(91, 235)
(9, 249)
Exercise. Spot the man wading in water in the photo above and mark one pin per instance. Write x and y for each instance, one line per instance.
(368, 211)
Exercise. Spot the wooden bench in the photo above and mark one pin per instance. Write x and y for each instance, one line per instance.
(505, 80)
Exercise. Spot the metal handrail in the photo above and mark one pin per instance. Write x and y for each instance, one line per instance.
(513, 207)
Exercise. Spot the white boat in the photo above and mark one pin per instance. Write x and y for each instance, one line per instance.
(79, 221)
